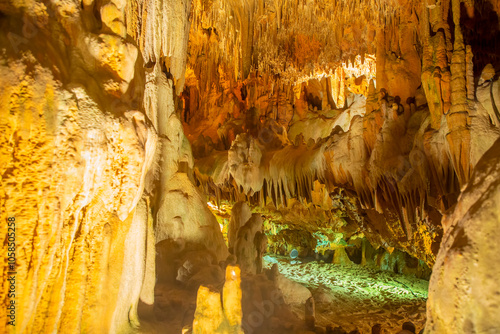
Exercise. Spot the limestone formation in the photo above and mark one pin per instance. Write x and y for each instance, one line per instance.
(137, 134)
(209, 317)
(218, 315)
(310, 313)
(293, 292)
(462, 257)
(240, 215)
(249, 245)
(82, 122)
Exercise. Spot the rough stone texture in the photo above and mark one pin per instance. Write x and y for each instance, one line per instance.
(310, 109)
(231, 298)
(87, 149)
(72, 174)
(293, 292)
(209, 315)
(488, 93)
(245, 248)
(400, 172)
(183, 224)
(393, 162)
(136, 268)
(470, 303)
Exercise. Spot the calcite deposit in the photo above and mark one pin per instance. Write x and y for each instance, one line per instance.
(152, 153)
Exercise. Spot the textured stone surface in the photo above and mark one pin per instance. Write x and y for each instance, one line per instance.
(470, 303)
(87, 147)
(240, 214)
(220, 315)
(293, 292)
(245, 248)
(72, 176)
(362, 119)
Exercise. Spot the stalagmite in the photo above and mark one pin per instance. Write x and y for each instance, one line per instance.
(209, 316)
(231, 299)
(240, 215)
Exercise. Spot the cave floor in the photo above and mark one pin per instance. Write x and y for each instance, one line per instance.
(357, 296)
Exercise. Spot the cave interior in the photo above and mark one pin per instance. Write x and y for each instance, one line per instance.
(250, 166)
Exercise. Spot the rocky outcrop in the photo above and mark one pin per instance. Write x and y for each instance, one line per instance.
(216, 314)
(249, 245)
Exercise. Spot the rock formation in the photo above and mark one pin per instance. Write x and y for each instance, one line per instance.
(213, 317)
(471, 301)
(93, 154)
(362, 132)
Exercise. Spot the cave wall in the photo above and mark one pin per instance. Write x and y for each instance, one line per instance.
(93, 156)
(463, 294)
(393, 149)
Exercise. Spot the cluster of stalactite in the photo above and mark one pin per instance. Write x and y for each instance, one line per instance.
(387, 181)
(274, 45)
(414, 43)
(283, 38)
(235, 178)
(399, 159)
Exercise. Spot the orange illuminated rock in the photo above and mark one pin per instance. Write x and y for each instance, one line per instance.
(209, 316)
(119, 119)
(216, 315)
